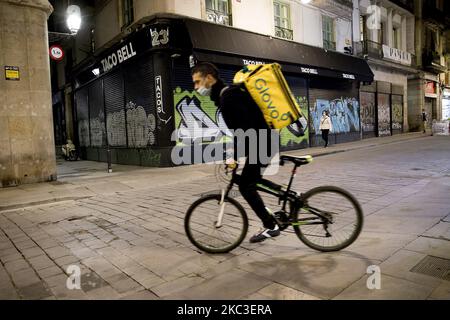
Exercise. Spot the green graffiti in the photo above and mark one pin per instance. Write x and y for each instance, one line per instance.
(194, 112)
(397, 116)
(150, 157)
(207, 105)
(287, 137)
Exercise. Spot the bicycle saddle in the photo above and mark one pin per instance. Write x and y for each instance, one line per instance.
(298, 161)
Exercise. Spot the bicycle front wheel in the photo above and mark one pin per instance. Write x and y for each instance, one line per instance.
(330, 220)
(201, 224)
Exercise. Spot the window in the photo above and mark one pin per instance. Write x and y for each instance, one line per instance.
(396, 38)
(362, 28)
(431, 40)
(381, 33)
(218, 11)
(282, 16)
(127, 13)
(328, 33)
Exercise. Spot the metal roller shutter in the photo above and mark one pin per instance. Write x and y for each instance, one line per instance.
(227, 72)
(115, 111)
(341, 99)
(384, 114)
(140, 103)
(82, 112)
(397, 113)
(368, 117)
(97, 114)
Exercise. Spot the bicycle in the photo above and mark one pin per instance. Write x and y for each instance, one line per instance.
(217, 223)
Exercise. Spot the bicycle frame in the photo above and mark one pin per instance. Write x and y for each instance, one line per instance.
(301, 212)
(283, 195)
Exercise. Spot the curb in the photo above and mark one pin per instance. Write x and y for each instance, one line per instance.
(358, 147)
(36, 203)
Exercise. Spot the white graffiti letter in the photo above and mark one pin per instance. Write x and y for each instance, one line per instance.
(74, 280)
(374, 19)
(374, 280)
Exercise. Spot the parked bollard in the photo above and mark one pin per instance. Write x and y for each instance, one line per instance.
(109, 160)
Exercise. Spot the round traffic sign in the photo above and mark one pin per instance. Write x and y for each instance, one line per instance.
(56, 52)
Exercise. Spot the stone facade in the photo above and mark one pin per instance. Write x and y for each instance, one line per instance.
(27, 152)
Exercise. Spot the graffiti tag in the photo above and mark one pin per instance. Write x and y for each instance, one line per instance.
(159, 100)
(344, 114)
(196, 124)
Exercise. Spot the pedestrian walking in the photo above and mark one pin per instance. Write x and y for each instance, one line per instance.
(424, 120)
(325, 126)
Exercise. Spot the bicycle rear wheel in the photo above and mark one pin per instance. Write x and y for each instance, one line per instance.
(342, 222)
(201, 229)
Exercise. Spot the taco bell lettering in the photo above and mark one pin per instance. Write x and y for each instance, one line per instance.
(121, 55)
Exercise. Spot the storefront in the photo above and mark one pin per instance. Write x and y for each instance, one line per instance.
(381, 109)
(430, 105)
(446, 104)
(136, 95)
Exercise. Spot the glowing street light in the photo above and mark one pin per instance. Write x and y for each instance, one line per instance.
(73, 18)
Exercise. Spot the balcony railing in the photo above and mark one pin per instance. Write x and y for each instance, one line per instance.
(432, 60)
(375, 50)
(218, 17)
(284, 33)
(372, 49)
(329, 45)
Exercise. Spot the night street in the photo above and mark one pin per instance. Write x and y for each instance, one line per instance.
(130, 242)
(224, 158)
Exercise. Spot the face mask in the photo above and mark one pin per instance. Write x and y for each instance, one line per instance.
(203, 91)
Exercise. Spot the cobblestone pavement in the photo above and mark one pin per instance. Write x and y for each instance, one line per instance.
(132, 244)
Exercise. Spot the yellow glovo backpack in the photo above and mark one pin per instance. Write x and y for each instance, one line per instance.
(269, 89)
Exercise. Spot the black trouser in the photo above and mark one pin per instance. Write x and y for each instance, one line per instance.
(251, 175)
(325, 136)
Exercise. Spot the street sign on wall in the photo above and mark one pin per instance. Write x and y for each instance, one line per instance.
(12, 73)
(430, 89)
(396, 55)
(56, 52)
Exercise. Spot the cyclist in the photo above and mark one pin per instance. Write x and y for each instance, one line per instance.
(240, 112)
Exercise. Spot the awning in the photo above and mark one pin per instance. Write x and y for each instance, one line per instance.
(222, 44)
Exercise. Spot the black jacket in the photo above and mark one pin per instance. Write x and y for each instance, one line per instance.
(239, 111)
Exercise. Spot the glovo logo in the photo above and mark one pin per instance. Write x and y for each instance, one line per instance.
(266, 97)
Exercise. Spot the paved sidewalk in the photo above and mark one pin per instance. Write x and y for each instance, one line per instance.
(126, 232)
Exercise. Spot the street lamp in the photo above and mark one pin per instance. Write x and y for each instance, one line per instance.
(73, 18)
(73, 22)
